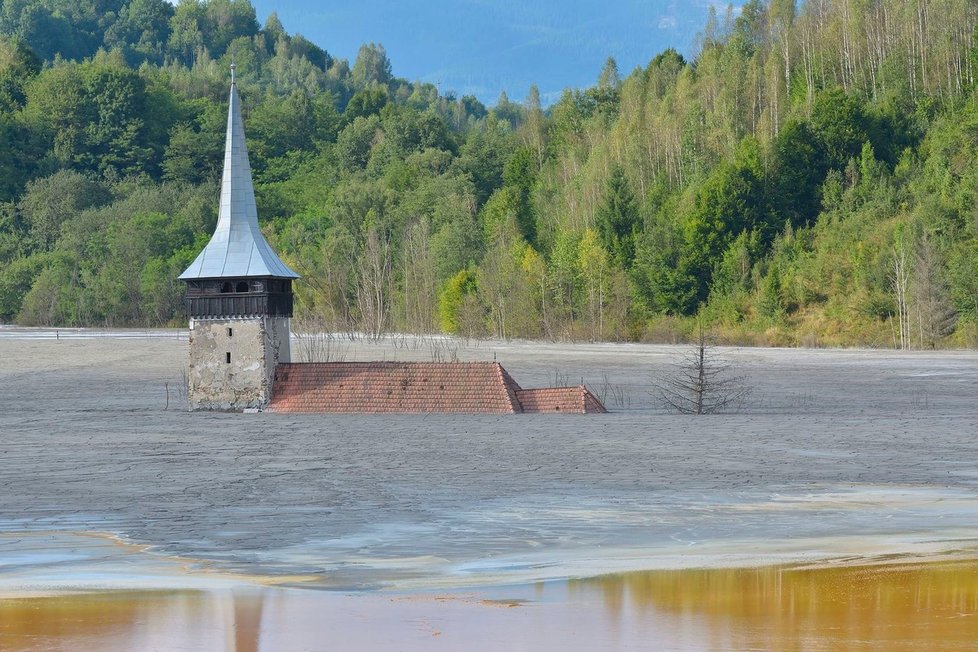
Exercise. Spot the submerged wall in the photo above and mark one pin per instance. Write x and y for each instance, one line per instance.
(232, 361)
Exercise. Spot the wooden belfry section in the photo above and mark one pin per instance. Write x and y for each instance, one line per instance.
(239, 296)
(418, 387)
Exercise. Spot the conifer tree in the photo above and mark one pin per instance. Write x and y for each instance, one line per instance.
(617, 218)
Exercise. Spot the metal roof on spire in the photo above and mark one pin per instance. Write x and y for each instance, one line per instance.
(237, 248)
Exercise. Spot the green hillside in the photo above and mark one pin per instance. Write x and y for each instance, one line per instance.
(809, 179)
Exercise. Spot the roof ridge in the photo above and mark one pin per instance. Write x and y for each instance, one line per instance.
(511, 386)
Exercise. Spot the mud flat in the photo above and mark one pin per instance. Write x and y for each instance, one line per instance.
(840, 459)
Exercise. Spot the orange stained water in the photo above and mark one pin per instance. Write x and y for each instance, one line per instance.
(919, 606)
(886, 606)
(133, 620)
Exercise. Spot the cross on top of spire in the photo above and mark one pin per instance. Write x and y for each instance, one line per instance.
(232, 72)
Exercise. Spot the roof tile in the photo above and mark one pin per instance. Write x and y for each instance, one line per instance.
(417, 387)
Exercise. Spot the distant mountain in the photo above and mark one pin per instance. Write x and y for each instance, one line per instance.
(482, 47)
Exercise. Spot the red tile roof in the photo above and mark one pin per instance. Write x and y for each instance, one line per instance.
(560, 399)
(418, 387)
(592, 404)
(393, 387)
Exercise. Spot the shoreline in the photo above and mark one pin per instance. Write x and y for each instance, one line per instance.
(52, 564)
(412, 342)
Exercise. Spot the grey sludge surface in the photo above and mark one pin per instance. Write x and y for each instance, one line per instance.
(837, 453)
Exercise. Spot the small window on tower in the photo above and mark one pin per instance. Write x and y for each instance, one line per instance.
(230, 332)
(242, 286)
(227, 357)
(226, 287)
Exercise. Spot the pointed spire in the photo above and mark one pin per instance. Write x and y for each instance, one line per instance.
(237, 248)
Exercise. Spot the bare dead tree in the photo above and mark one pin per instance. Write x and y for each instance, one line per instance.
(931, 306)
(315, 343)
(375, 285)
(442, 350)
(610, 393)
(702, 381)
(900, 280)
(419, 292)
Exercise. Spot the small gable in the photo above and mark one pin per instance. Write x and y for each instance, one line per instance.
(572, 400)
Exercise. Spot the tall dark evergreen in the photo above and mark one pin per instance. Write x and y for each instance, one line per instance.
(618, 218)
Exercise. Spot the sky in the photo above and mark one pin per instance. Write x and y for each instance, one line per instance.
(483, 47)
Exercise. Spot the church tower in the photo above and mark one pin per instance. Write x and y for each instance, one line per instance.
(239, 295)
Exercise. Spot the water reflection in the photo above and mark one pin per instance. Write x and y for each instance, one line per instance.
(890, 606)
(131, 620)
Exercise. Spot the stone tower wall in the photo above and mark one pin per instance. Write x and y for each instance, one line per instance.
(256, 345)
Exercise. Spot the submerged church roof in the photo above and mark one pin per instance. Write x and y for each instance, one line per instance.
(237, 247)
(417, 387)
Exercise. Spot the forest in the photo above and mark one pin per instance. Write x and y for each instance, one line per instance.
(808, 179)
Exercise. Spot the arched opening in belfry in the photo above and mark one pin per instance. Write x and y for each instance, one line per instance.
(226, 287)
(242, 286)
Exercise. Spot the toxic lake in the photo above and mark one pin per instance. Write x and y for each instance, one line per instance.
(836, 504)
